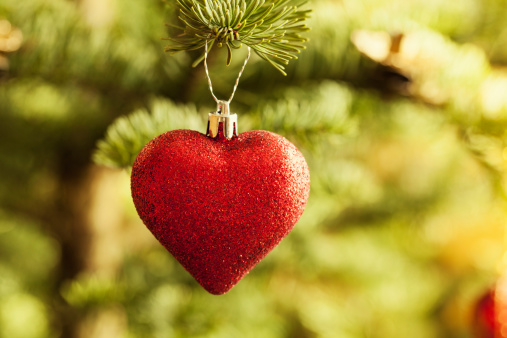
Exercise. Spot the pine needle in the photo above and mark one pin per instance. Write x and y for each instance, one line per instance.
(271, 28)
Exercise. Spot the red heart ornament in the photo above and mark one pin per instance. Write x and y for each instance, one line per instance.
(219, 206)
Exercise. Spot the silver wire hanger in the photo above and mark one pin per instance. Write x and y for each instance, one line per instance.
(209, 79)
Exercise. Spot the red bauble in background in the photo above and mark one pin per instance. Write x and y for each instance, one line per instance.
(219, 205)
(486, 324)
(491, 312)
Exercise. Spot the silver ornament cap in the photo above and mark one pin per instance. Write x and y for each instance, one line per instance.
(224, 119)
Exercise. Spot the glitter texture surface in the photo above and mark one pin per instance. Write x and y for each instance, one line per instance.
(219, 206)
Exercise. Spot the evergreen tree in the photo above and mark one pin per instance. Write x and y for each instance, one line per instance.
(400, 109)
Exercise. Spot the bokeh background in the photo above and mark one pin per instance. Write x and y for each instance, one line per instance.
(400, 108)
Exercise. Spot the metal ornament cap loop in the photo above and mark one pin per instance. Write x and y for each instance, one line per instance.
(222, 122)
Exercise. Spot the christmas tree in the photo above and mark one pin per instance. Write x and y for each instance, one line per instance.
(400, 109)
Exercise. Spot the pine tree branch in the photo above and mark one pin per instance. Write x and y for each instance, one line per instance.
(271, 28)
(304, 112)
(129, 134)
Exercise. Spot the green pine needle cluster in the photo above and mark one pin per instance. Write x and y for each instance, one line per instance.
(129, 134)
(271, 28)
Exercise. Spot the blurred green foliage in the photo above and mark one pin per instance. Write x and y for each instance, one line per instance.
(404, 227)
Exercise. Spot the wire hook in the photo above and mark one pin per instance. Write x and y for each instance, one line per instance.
(209, 79)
